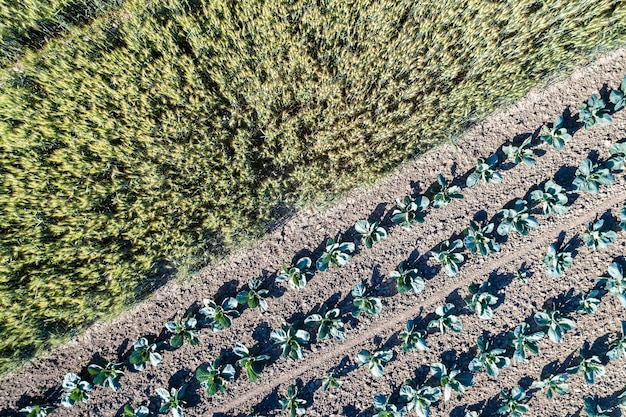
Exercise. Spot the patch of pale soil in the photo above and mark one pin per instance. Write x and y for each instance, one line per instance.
(304, 233)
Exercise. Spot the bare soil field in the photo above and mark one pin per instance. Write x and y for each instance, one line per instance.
(305, 234)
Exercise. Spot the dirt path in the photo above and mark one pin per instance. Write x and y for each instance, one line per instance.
(305, 232)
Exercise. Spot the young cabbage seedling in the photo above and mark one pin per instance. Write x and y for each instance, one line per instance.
(617, 96)
(588, 302)
(521, 276)
(363, 303)
(446, 320)
(296, 276)
(144, 352)
(554, 384)
(472, 413)
(590, 176)
(557, 261)
(75, 389)
(594, 112)
(291, 340)
(409, 211)
(213, 376)
(384, 409)
(556, 136)
(552, 197)
(512, 403)
(413, 337)
(589, 364)
(419, 400)
(614, 283)
(485, 171)
(370, 232)
(218, 315)
(443, 194)
(622, 218)
(524, 341)
(255, 296)
(37, 410)
(451, 379)
(181, 330)
(480, 239)
(374, 361)
(331, 380)
(618, 157)
(291, 403)
(597, 236)
(337, 253)
(617, 347)
(449, 256)
(491, 360)
(172, 400)
(106, 374)
(520, 153)
(593, 409)
(556, 323)
(141, 411)
(252, 364)
(517, 219)
(330, 324)
(407, 279)
(480, 300)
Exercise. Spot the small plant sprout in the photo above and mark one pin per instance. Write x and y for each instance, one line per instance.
(622, 217)
(521, 276)
(384, 409)
(255, 296)
(556, 136)
(614, 283)
(491, 360)
(330, 324)
(363, 303)
(443, 194)
(588, 302)
(480, 300)
(219, 315)
(480, 239)
(106, 374)
(337, 253)
(409, 211)
(589, 364)
(252, 413)
(597, 236)
(251, 363)
(449, 256)
(523, 341)
(590, 176)
(556, 323)
(520, 153)
(413, 337)
(181, 330)
(512, 403)
(293, 405)
(419, 400)
(144, 352)
(330, 380)
(451, 379)
(593, 409)
(617, 347)
(618, 157)
(594, 112)
(75, 389)
(37, 410)
(407, 279)
(213, 376)
(485, 171)
(291, 340)
(617, 96)
(517, 219)
(172, 400)
(141, 411)
(554, 384)
(296, 276)
(446, 320)
(557, 261)
(375, 362)
(552, 197)
(370, 232)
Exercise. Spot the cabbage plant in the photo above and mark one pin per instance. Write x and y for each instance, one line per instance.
(413, 337)
(557, 261)
(141, 411)
(213, 376)
(296, 276)
(589, 365)
(520, 153)
(449, 256)
(617, 346)
(524, 341)
(330, 324)
(552, 197)
(593, 409)
(37, 410)
(554, 384)
(144, 352)
(614, 282)
(419, 400)
(407, 279)
(590, 176)
(617, 96)
(409, 211)
(517, 218)
(291, 403)
(556, 322)
(337, 253)
(488, 359)
(385, 409)
(252, 364)
(331, 380)
(484, 171)
(106, 374)
(480, 300)
(597, 236)
(450, 379)
(480, 239)
(594, 112)
(291, 340)
(363, 303)
(512, 403)
(172, 400)
(446, 320)
(375, 361)
(443, 194)
(588, 302)
(616, 162)
(370, 232)
(75, 390)
(556, 136)
(255, 296)
(219, 315)
(183, 330)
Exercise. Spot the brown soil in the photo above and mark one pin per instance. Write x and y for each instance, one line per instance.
(304, 234)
